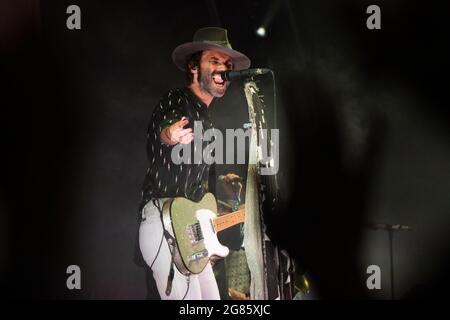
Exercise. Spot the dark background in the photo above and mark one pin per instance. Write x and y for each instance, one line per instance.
(364, 132)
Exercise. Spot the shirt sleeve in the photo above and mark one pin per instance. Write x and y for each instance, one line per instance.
(169, 110)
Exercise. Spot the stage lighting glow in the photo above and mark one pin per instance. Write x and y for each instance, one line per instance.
(261, 32)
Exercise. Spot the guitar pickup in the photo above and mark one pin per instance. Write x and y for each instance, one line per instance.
(194, 233)
(198, 255)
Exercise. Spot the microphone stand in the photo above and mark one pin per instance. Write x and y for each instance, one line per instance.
(390, 228)
(267, 189)
(391, 255)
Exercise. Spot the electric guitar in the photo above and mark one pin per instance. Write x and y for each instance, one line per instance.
(194, 226)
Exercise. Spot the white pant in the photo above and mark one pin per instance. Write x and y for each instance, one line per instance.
(202, 286)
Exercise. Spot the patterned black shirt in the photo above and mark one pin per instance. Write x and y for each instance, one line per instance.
(164, 178)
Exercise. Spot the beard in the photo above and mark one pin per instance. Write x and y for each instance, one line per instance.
(207, 83)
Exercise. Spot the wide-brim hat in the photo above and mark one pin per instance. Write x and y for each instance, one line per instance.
(210, 38)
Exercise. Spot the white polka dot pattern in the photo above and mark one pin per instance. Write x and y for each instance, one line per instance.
(164, 178)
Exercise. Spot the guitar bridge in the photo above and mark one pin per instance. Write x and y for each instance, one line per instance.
(194, 232)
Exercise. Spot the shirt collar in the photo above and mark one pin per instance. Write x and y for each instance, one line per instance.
(197, 102)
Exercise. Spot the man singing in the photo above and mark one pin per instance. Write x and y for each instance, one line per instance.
(203, 60)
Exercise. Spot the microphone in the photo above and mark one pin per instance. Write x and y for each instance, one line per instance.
(246, 73)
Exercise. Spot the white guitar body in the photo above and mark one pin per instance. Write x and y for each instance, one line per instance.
(205, 217)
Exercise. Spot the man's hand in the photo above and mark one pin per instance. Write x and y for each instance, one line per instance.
(231, 186)
(232, 178)
(177, 134)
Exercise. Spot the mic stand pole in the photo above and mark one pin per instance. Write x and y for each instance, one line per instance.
(391, 253)
(390, 228)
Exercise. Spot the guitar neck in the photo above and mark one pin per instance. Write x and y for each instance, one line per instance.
(229, 220)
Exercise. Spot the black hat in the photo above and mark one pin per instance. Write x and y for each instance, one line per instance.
(210, 38)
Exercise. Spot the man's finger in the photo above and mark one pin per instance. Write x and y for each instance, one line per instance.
(184, 132)
(178, 133)
(180, 124)
(187, 138)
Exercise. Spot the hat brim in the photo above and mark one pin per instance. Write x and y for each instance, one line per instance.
(182, 52)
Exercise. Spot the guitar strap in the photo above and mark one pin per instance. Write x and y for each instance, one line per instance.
(170, 242)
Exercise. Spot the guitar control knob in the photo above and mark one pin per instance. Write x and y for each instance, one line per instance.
(199, 255)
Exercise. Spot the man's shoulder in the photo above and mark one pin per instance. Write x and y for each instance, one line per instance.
(173, 101)
(174, 93)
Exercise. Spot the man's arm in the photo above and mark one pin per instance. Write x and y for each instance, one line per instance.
(166, 121)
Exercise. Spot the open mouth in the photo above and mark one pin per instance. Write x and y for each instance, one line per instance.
(218, 81)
